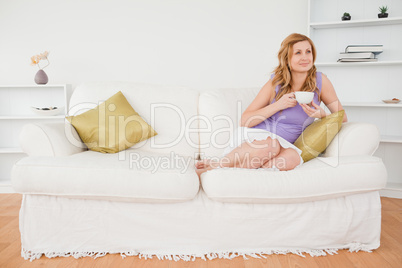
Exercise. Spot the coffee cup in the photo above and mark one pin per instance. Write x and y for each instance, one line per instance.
(304, 97)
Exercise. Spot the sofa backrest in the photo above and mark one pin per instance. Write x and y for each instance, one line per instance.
(171, 111)
(192, 123)
(220, 113)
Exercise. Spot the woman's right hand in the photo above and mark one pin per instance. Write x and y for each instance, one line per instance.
(287, 101)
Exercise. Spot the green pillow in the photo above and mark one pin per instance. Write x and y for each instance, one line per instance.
(317, 136)
(112, 126)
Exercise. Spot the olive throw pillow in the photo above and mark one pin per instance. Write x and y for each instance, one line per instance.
(112, 126)
(317, 136)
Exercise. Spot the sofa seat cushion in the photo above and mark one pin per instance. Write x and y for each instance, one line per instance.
(318, 179)
(130, 176)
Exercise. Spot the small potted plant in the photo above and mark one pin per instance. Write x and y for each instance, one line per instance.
(346, 16)
(383, 11)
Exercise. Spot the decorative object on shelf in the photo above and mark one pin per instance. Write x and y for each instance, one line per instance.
(383, 11)
(47, 111)
(356, 60)
(394, 100)
(41, 77)
(346, 16)
(360, 53)
(376, 49)
(356, 57)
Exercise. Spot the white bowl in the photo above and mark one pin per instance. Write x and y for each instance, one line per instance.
(45, 111)
(304, 97)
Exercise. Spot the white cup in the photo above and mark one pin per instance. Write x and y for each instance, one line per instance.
(304, 97)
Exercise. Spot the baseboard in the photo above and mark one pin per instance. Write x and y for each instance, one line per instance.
(6, 189)
(393, 193)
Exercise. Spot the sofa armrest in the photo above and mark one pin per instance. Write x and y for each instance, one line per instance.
(354, 139)
(50, 139)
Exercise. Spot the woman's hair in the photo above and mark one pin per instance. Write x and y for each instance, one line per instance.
(282, 72)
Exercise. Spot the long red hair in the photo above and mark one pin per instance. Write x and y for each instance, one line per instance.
(283, 76)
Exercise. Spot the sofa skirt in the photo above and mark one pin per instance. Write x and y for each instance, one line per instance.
(59, 226)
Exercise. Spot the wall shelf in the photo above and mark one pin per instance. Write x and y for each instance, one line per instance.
(11, 150)
(372, 104)
(391, 139)
(33, 86)
(30, 117)
(353, 64)
(356, 23)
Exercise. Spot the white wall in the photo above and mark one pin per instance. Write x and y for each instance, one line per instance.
(197, 43)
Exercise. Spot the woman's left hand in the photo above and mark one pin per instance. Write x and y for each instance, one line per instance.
(316, 111)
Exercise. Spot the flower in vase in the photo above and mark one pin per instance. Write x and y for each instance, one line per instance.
(37, 58)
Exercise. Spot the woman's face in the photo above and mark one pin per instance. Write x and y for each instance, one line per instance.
(302, 57)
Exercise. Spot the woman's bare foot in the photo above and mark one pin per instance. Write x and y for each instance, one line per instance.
(206, 163)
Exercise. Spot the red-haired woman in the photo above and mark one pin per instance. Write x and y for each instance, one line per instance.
(274, 120)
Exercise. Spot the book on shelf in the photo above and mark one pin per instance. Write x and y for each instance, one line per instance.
(357, 60)
(360, 55)
(376, 49)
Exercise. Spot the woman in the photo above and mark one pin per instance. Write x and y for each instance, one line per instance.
(274, 120)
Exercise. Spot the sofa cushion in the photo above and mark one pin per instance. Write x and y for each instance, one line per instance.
(354, 138)
(317, 136)
(131, 175)
(170, 110)
(318, 179)
(220, 113)
(111, 126)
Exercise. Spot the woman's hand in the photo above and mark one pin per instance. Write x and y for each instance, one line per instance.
(316, 111)
(287, 101)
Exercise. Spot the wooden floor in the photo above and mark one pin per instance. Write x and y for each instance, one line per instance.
(388, 255)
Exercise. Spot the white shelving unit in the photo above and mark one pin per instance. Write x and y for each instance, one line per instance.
(15, 111)
(361, 86)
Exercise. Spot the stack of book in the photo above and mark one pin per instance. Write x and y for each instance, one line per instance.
(360, 53)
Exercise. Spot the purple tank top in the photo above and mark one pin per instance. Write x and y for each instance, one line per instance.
(290, 123)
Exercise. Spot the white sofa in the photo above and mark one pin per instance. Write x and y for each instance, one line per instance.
(84, 203)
